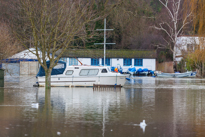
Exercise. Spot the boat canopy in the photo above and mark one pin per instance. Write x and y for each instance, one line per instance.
(58, 69)
(132, 69)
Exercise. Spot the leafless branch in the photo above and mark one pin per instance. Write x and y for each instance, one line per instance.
(172, 29)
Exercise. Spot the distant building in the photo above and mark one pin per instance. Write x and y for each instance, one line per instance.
(124, 58)
(22, 63)
(186, 44)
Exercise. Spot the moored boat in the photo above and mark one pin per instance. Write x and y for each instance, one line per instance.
(176, 75)
(82, 76)
(193, 75)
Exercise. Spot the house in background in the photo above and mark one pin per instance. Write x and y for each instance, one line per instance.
(22, 63)
(186, 44)
(124, 58)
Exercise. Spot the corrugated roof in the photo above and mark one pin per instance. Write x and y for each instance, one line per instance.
(99, 53)
(26, 54)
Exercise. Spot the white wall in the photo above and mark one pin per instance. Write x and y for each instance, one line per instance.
(67, 61)
(100, 61)
(119, 61)
(183, 41)
(29, 67)
(147, 63)
(11, 69)
(85, 61)
(116, 61)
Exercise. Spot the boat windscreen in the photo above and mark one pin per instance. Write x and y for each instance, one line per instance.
(58, 69)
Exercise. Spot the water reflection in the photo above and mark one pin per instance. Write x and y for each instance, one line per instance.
(150, 82)
(64, 111)
(1, 95)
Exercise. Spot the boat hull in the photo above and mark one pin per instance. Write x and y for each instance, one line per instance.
(85, 76)
(84, 81)
(174, 75)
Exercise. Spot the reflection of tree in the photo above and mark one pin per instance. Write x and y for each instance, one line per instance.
(1, 95)
(45, 121)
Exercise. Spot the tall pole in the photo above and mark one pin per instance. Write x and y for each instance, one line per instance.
(104, 40)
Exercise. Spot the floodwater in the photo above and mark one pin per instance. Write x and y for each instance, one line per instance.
(170, 108)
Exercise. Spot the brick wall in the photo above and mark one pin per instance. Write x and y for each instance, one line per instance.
(166, 67)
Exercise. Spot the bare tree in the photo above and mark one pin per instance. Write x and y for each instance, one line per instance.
(51, 26)
(8, 46)
(130, 21)
(174, 25)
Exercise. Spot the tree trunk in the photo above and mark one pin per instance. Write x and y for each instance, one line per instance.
(48, 79)
(174, 52)
(174, 57)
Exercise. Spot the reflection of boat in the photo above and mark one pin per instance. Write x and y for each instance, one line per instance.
(176, 75)
(82, 76)
(193, 75)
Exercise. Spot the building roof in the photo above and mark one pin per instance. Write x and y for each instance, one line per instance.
(26, 54)
(99, 53)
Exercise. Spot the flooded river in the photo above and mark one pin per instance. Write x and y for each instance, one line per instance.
(170, 108)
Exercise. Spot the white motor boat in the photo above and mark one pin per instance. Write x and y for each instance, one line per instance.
(84, 76)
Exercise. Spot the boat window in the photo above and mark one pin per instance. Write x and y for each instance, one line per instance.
(93, 72)
(59, 66)
(88, 72)
(104, 71)
(84, 72)
(69, 72)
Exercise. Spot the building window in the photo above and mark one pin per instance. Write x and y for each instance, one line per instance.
(197, 47)
(73, 61)
(107, 61)
(138, 62)
(127, 62)
(94, 62)
(190, 47)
